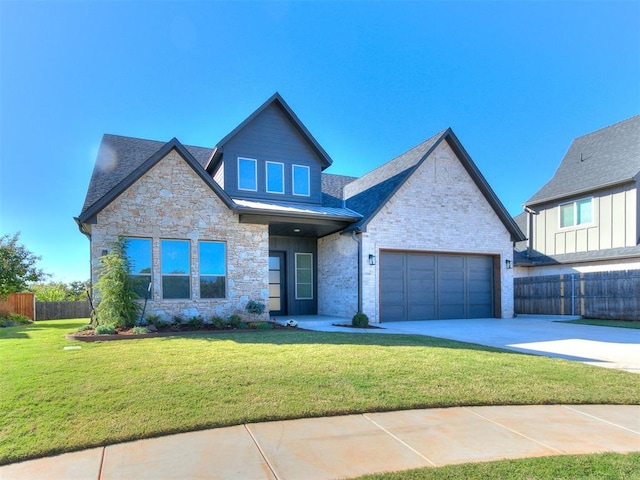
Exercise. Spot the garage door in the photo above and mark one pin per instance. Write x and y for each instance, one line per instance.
(421, 286)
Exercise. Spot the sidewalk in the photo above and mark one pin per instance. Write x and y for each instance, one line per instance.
(353, 445)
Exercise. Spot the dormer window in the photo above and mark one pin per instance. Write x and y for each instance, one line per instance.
(301, 184)
(275, 177)
(247, 174)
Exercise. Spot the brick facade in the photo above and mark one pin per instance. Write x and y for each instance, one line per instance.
(438, 209)
(337, 276)
(171, 201)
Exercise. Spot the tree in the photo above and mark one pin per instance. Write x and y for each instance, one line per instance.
(17, 266)
(117, 305)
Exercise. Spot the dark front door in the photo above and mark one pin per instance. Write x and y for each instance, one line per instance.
(277, 284)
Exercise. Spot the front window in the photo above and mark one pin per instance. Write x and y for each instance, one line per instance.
(304, 276)
(138, 251)
(175, 266)
(247, 174)
(576, 213)
(275, 177)
(213, 260)
(301, 180)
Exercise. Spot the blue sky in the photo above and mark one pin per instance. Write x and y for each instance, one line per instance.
(517, 81)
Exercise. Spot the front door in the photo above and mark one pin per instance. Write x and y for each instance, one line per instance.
(277, 284)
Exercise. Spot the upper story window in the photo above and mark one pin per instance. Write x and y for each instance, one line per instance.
(247, 174)
(176, 266)
(275, 177)
(138, 251)
(301, 184)
(576, 213)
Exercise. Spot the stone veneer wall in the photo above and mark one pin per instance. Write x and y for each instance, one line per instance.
(438, 209)
(337, 276)
(171, 201)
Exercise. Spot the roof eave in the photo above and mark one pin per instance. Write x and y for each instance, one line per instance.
(576, 193)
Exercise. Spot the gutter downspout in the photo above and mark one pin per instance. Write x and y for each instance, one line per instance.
(359, 242)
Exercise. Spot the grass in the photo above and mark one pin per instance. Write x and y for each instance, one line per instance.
(56, 400)
(603, 466)
(605, 323)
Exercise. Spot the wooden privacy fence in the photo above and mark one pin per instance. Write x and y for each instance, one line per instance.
(606, 295)
(58, 310)
(21, 303)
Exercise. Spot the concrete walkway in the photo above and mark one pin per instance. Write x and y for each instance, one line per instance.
(608, 347)
(353, 445)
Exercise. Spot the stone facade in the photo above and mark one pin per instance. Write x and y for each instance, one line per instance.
(337, 276)
(438, 209)
(171, 201)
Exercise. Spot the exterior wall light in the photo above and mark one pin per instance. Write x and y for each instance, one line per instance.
(508, 264)
(372, 259)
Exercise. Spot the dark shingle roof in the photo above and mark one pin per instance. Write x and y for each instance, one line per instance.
(537, 259)
(119, 156)
(599, 159)
(333, 189)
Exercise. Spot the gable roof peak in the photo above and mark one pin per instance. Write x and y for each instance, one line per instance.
(278, 100)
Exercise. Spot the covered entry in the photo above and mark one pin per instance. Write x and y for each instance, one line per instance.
(430, 286)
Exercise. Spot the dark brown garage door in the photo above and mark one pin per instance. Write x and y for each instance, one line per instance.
(422, 286)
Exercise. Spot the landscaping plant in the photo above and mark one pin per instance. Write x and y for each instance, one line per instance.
(117, 299)
(360, 320)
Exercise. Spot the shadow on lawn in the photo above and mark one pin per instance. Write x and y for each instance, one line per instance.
(23, 331)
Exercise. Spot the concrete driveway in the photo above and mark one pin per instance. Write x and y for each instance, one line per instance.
(609, 347)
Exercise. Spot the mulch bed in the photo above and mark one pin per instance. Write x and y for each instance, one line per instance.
(90, 336)
(352, 326)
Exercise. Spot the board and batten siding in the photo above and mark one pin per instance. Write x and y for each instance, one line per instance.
(271, 137)
(615, 223)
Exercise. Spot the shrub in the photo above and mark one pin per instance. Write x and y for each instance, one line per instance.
(178, 320)
(140, 330)
(261, 325)
(195, 322)
(255, 308)
(117, 298)
(360, 320)
(218, 322)
(14, 319)
(84, 328)
(105, 329)
(235, 321)
(161, 324)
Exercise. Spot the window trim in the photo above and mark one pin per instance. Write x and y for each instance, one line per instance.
(150, 274)
(266, 173)
(200, 274)
(255, 174)
(576, 220)
(163, 275)
(299, 254)
(293, 180)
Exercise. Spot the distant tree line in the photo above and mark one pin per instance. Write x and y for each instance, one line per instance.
(60, 291)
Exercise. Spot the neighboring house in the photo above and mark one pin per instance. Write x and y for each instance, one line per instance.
(421, 237)
(586, 218)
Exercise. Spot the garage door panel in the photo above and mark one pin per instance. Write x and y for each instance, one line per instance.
(422, 286)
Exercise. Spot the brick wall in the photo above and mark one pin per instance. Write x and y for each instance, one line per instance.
(337, 276)
(170, 201)
(438, 209)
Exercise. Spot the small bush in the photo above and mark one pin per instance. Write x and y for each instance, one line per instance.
(105, 330)
(261, 325)
(235, 321)
(161, 324)
(256, 308)
(153, 319)
(242, 325)
(14, 319)
(84, 328)
(218, 322)
(140, 330)
(178, 320)
(195, 323)
(360, 320)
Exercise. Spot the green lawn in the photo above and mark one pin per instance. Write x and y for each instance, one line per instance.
(54, 400)
(605, 323)
(603, 466)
